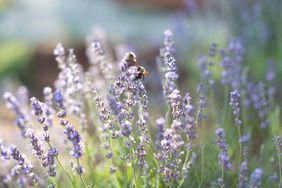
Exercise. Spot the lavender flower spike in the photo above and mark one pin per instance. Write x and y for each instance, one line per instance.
(26, 167)
(13, 103)
(223, 157)
(4, 154)
(35, 142)
(235, 104)
(75, 138)
(160, 132)
(255, 178)
(243, 175)
(49, 160)
(202, 102)
(189, 117)
(37, 109)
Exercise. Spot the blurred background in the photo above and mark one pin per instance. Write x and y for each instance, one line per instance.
(29, 31)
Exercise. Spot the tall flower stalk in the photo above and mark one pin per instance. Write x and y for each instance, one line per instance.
(223, 157)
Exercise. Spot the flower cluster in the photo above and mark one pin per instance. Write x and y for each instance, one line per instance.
(35, 142)
(205, 62)
(70, 83)
(223, 157)
(232, 64)
(201, 103)
(120, 133)
(189, 117)
(235, 104)
(78, 147)
(4, 155)
(23, 164)
(14, 104)
(75, 138)
(243, 174)
(49, 161)
(261, 104)
(255, 178)
(167, 64)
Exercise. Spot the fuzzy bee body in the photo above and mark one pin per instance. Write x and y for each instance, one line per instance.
(130, 60)
(141, 73)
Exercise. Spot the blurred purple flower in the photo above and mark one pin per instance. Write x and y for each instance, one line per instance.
(232, 64)
(14, 105)
(189, 117)
(255, 179)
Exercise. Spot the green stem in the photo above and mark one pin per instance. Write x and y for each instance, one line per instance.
(145, 177)
(80, 176)
(134, 173)
(226, 89)
(222, 176)
(65, 171)
(60, 164)
(202, 155)
(280, 168)
(240, 144)
(184, 165)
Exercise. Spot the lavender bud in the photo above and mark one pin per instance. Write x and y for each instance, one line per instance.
(58, 99)
(126, 128)
(4, 154)
(37, 106)
(112, 169)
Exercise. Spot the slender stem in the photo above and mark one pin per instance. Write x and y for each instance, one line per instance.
(145, 177)
(134, 173)
(280, 167)
(240, 144)
(60, 164)
(202, 154)
(80, 176)
(184, 165)
(90, 162)
(66, 172)
(222, 176)
(125, 174)
(156, 181)
(226, 89)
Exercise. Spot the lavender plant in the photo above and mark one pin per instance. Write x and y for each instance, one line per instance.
(95, 127)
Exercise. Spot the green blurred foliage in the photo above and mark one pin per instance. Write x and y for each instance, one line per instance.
(14, 57)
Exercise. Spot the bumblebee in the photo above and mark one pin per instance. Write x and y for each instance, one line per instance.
(130, 59)
(141, 73)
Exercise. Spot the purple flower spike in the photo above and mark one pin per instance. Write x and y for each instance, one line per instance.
(255, 178)
(223, 157)
(35, 142)
(235, 104)
(58, 99)
(126, 128)
(75, 138)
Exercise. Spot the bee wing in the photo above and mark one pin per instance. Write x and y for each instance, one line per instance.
(146, 73)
